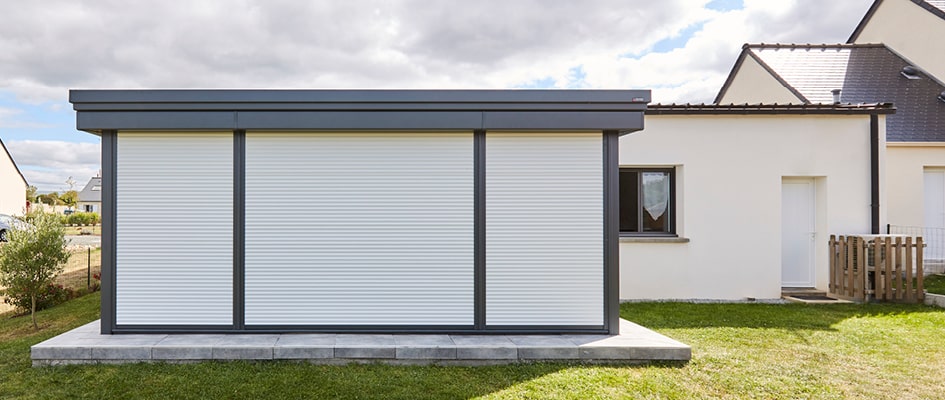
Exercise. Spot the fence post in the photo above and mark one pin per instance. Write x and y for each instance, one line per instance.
(88, 270)
(920, 272)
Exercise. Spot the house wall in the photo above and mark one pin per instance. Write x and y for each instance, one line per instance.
(906, 163)
(753, 84)
(908, 29)
(729, 172)
(12, 187)
(95, 206)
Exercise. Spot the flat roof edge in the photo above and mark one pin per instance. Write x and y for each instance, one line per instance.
(240, 98)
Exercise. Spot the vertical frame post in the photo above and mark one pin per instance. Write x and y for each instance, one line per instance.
(109, 227)
(239, 231)
(479, 229)
(611, 174)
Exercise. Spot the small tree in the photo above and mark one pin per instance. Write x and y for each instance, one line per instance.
(31, 194)
(32, 258)
(70, 198)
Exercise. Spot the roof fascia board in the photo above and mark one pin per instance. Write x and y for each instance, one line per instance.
(370, 99)
(731, 74)
(930, 8)
(16, 167)
(864, 21)
(99, 110)
(770, 109)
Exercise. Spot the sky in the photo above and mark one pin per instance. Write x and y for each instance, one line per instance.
(680, 49)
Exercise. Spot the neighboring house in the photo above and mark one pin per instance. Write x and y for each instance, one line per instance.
(913, 28)
(425, 211)
(737, 201)
(914, 180)
(12, 185)
(90, 198)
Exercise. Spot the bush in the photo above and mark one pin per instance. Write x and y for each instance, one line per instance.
(51, 295)
(81, 218)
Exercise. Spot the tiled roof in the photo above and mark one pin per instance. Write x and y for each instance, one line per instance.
(689, 108)
(92, 191)
(865, 73)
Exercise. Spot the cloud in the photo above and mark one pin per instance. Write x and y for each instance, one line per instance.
(47, 47)
(696, 71)
(48, 164)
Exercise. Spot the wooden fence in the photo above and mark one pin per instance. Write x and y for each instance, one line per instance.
(881, 268)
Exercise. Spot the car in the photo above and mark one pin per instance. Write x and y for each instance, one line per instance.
(8, 223)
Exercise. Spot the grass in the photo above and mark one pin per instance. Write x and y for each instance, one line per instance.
(739, 351)
(935, 284)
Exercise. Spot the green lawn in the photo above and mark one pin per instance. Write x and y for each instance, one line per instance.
(740, 351)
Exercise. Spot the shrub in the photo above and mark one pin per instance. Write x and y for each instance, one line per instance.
(31, 260)
(81, 218)
(50, 295)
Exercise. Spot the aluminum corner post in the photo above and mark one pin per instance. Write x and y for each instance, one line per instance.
(611, 185)
(239, 231)
(109, 191)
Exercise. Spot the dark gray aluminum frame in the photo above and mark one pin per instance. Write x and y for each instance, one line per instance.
(613, 112)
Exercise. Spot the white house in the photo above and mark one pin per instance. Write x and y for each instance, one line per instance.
(90, 198)
(917, 194)
(737, 201)
(426, 211)
(910, 27)
(12, 185)
(861, 73)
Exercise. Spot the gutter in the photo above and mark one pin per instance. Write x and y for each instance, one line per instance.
(874, 174)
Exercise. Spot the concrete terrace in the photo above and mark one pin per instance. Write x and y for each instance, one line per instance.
(85, 345)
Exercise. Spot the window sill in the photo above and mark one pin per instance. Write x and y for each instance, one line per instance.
(653, 239)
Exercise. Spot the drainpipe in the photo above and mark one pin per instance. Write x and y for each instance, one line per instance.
(874, 174)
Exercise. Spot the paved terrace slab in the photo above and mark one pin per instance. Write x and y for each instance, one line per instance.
(85, 345)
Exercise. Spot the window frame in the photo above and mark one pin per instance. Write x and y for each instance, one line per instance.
(671, 208)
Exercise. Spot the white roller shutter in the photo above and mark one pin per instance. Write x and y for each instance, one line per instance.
(174, 215)
(544, 229)
(359, 228)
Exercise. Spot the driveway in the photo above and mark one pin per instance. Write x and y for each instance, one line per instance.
(84, 240)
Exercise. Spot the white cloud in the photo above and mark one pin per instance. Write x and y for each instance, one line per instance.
(49, 46)
(48, 164)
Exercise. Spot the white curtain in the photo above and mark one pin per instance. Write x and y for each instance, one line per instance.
(655, 193)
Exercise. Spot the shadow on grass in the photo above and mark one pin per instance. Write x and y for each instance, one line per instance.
(284, 380)
(781, 316)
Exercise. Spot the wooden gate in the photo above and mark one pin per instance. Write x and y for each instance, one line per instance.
(881, 268)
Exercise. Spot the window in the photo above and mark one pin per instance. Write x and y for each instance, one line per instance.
(647, 203)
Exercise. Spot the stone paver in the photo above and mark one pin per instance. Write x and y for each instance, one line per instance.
(85, 345)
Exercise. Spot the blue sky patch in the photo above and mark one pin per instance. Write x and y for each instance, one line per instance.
(678, 40)
(725, 5)
(45, 121)
(543, 83)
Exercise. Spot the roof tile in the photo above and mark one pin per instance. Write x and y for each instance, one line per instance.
(865, 74)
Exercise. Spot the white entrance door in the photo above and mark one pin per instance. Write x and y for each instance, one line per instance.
(934, 207)
(797, 233)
